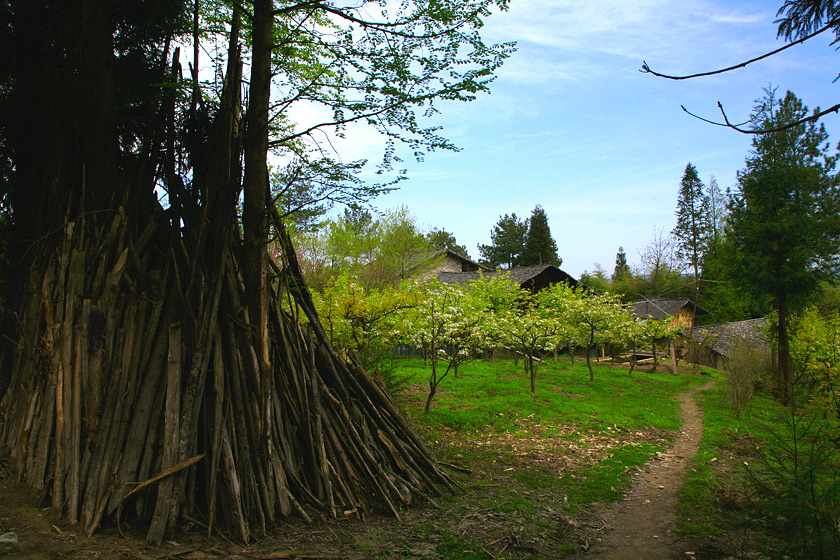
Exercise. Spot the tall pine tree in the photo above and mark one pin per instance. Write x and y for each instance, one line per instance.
(540, 247)
(784, 217)
(621, 266)
(691, 231)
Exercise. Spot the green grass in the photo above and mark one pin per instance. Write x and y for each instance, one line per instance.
(537, 456)
(492, 395)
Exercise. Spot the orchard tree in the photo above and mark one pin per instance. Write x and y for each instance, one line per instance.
(540, 247)
(597, 318)
(530, 330)
(507, 242)
(362, 321)
(145, 335)
(449, 323)
(651, 333)
(784, 216)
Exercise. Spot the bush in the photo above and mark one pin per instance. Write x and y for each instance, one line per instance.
(745, 367)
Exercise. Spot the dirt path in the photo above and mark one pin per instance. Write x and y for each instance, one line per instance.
(641, 524)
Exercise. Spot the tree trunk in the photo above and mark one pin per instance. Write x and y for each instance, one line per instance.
(653, 369)
(784, 375)
(533, 373)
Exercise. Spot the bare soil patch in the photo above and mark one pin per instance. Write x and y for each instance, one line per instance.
(641, 525)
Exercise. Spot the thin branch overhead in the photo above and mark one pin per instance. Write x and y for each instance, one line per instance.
(645, 69)
(742, 126)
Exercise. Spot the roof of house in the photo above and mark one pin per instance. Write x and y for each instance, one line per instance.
(521, 275)
(450, 253)
(720, 337)
(663, 308)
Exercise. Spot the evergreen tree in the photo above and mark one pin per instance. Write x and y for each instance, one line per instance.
(507, 242)
(784, 217)
(442, 239)
(716, 211)
(691, 231)
(622, 269)
(540, 247)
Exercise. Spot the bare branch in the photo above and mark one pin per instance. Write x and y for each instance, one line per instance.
(645, 69)
(740, 127)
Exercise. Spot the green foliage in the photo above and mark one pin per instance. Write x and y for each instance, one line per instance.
(507, 242)
(451, 324)
(366, 322)
(376, 251)
(746, 368)
(796, 486)
(815, 349)
(784, 214)
(597, 279)
(720, 294)
(540, 247)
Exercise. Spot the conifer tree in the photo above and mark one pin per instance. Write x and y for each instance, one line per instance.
(507, 242)
(540, 247)
(621, 266)
(691, 231)
(784, 225)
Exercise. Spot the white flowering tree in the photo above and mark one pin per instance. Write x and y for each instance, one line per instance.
(450, 324)
(530, 327)
(653, 332)
(598, 318)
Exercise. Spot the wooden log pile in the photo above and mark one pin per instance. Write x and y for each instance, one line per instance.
(137, 395)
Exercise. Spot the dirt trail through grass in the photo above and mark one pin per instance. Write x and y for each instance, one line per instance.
(642, 523)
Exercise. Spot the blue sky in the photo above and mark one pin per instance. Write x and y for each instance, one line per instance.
(571, 124)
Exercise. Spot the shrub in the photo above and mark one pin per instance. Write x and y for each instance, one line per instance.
(745, 367)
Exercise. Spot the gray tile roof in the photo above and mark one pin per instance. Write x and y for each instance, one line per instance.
(663, 308)
(721, 337)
